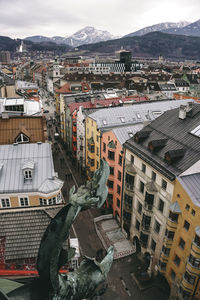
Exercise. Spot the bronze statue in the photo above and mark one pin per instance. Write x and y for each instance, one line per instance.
(85, 282)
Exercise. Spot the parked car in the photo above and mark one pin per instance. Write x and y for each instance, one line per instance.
(46, 111)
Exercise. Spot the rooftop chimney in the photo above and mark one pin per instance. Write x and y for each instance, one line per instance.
(182, 112)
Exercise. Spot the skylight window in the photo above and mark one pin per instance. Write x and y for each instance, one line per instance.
(130, 134)
(138, 116)
(104, 122)
(196, 131)
(157, 113)
(122, 119)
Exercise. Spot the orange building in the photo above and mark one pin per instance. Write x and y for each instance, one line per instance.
(111, 151)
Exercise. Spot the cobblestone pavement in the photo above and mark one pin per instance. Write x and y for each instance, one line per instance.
(121, 286)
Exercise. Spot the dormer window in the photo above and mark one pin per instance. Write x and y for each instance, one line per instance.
(28, 174)
(22, 138)
(27, 169)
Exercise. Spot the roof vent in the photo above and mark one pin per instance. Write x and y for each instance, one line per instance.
(39, 143)
(15, 144)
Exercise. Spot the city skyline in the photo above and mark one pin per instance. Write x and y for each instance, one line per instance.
(20, 19)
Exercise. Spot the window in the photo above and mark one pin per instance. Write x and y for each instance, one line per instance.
(144, 239)
(21, 138)
(163, 265)
(173, 217)
(149, 201)
(166, 251)
(164, 184)
(120, 160)
(170, 235)
(153, 245)
(104, 147)
(141, 187)
(197, 240)
(98, 151)
(110, 198)
(128, 201)
(28, 174)
(172, 274)
(139, 207)
(5, 203)
(97, 138)
(161, 205)
(143, 168)
(182, 244)
(119, 176)
(112, 171)
(187, 207)
(193, 212)
(132, 159)
(110, 184)
(111, 155)
(189, 278)
(157, 226)
(118, 189)
(177, 260)
(186, 225)
(153, 176)
(118, 203)
(130, 180)
(137, 224)
(24, 201)
(92, 162)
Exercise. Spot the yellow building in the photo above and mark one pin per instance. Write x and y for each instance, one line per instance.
(27, 177)
(180, 257)
(93, 142)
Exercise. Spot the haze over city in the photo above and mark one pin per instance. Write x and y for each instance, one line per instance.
(20, 18)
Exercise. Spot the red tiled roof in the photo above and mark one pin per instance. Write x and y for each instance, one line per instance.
(64, 89)
(75, 106)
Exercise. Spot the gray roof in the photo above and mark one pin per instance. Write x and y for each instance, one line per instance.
(191, 185)
(177, 133)
(174, 207)
(37, 156)
(23, 231)
(123, 133)
(134, 114)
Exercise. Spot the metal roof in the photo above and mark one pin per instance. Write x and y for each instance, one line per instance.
(177, 133)
(174, 207)
(13, 157)
(191, 184)
(123, 133)
(134, 114)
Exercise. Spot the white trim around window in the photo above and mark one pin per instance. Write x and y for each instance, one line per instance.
(5, 203)
(23, 201)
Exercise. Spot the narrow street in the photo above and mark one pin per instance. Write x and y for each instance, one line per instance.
(121, 286)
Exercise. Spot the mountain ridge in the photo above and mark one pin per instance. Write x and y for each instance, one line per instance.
(86, 35)
(182, 27)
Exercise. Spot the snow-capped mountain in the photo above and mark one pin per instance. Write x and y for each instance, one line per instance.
(159, 27)
(87, 35)
(193, 29)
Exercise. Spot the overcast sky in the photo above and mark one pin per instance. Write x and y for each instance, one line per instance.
(22, 18)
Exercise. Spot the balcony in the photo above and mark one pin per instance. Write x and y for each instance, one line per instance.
(171, 224)
(195, 251)
(192, 269)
